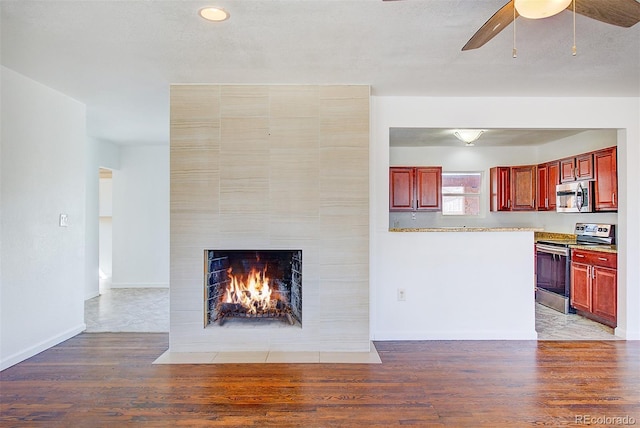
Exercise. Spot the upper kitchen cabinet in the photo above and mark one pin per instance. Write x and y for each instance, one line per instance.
(547, 179)
(606, 178)
(523, 188)
(401, 189)
(577, 168)
(429, 189)
(512, 188)
(500, 188)
(415, 188)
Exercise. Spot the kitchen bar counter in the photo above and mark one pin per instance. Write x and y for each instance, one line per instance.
(454, 285)
(467, 229)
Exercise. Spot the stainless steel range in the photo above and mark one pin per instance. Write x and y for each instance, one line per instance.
(553, 263)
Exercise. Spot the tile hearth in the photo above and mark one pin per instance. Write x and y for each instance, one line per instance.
(370, 357)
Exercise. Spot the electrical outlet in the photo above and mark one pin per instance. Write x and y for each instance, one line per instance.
(64, 220)
(402, 296)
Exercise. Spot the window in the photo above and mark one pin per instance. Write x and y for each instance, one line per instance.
(461, 193)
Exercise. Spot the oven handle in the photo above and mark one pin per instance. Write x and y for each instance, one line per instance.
(552, 249)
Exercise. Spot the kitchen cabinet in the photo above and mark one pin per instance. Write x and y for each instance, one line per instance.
(606, 180)
(594, 285)
(576, 168)
(499, 188)
(415, 188)
(512, 188)
(523, 188)
(547, 180)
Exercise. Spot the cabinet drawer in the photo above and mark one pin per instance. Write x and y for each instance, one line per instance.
(596, 258)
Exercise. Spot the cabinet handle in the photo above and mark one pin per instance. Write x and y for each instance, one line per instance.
(613, 198)
(546, 202)
(578, 255)
(603, 259)
(593, 273)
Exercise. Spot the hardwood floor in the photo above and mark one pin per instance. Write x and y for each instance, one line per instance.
(107, 380)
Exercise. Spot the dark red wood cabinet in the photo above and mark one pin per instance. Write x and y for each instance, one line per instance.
(606, 180)
(500, 188)
(576, 168)
(547, 179)
(594, 285)
(401, 189)
(415, 188)
(523, 188)
(512, 188)
(429, 189)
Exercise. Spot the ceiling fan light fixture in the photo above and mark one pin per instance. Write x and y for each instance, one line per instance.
(537, 9)
(468, 136)
(214, 14)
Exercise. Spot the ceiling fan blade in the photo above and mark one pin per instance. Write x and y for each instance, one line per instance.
(623, 13)
(495, 24)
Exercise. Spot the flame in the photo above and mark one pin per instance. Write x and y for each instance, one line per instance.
(251, 291)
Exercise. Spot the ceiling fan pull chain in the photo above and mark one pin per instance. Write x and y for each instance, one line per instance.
(515, 51)
(574, 50)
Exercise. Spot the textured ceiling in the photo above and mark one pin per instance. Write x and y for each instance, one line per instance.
(119, 57)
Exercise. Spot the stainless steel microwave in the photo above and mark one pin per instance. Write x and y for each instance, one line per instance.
(574, 197)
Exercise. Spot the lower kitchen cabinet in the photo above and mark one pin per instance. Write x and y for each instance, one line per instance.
(594, 285)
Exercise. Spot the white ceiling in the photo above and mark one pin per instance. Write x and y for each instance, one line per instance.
(119, 56)
(441, 137)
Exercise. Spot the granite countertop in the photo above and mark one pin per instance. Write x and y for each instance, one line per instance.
(570, 240)
(599, 248)
(467, 229)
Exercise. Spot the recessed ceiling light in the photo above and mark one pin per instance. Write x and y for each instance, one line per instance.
(214, 14)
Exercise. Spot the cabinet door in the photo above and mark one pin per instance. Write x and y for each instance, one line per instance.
(554, 180)
(542, 188)
(567, 167)
(401, 189)
(581, 286)
(605, 293)
(429, 188)
(606, 175)
(523, 188)
(584, 167)
(548, 179)
(499, 189)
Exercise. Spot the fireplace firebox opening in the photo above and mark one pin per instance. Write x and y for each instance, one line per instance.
(253, 285)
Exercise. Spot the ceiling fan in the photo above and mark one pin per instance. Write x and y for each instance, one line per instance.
(622, 13)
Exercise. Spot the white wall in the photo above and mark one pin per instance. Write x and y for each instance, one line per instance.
(511, 113)
(43, 175)
(141, 218)
(106, 229)
(99, 153)
(479, 158)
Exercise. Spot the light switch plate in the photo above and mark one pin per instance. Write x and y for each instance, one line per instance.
(64, 220)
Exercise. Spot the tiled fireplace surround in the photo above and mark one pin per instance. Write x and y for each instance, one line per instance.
(272, 167)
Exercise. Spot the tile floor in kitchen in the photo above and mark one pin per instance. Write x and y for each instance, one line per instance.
(147, 310)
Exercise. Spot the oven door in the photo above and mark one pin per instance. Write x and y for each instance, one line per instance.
(553, 284)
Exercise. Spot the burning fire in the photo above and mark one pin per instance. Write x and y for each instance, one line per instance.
(251, 291)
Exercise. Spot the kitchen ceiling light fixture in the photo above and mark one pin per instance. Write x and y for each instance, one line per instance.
(214, 14)
(468, 136)
(537, 9)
